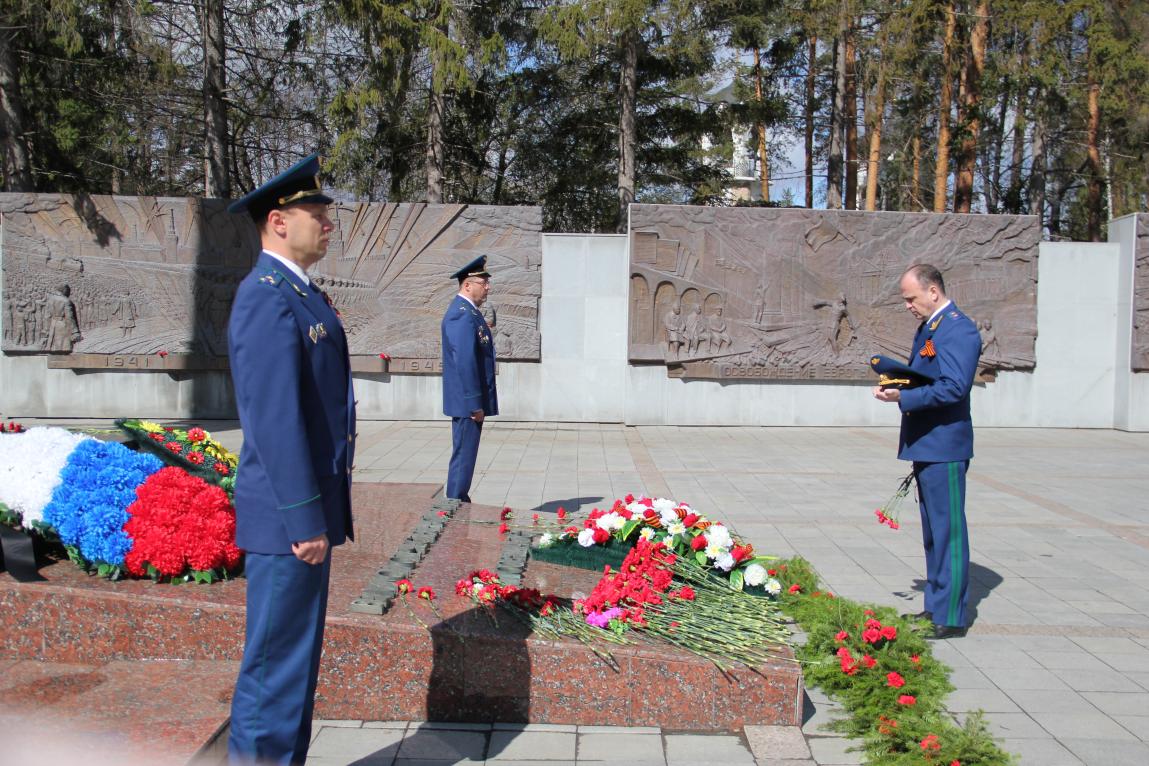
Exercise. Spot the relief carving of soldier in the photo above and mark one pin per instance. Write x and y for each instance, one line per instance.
(718, 337)
(675, 326)
(696, 330)
(63, 330)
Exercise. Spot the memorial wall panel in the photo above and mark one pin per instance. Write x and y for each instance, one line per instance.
(1140, 341)
(147, 282)
(796, 294)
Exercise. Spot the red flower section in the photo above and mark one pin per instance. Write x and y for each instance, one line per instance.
(907, 699)
(931, 743)
(503, 528)
(895, 680)
(196, 435)
(179, 521)
(404, 586)
(841, 637)
(157, 437)
(795, 588)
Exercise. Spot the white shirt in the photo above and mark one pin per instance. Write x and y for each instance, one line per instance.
(468, 300)
(934, 315)
(292, 266)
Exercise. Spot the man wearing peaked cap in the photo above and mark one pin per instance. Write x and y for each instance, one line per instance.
(293, 389)
(937, 436)
(469, 393)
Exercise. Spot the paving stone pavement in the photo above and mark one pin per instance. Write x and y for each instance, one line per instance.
(1058, 655)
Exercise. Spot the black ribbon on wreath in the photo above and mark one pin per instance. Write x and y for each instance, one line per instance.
(18, 555)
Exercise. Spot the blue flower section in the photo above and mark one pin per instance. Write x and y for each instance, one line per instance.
(90, 507)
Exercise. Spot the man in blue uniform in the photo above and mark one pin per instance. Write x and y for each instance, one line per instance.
(469, 394)
(937, 435)
(292, 377)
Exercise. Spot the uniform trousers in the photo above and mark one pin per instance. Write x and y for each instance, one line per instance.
(941, 490)
(465, 434)
(275, 693)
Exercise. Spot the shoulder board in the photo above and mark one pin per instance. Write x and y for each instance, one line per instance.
(272, 277)
(955, 315)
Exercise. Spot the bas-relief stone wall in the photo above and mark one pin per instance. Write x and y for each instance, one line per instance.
(811, 294)
(147, 277)
(1140, 341)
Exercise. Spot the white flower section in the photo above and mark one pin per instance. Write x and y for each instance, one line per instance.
(547, 540)
(754, 575)
(586, 538)
(30, 465)
(773, 587)
(647, 533)
(725, 562)
(719, 535)
(676, 528)
(611, 522)
(637, 508)
(713, 551)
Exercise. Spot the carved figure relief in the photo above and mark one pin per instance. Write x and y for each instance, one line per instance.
(1140, 339)
(811, 294)
(137, 275)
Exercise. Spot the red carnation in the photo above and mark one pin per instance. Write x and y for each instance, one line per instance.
(698, 543)
(795, 588)
(180, 522)
(889, 632)
(601, 536)
(895, 680)
(907, 699)
(842, 636)
(157, 437)
(871, 635)
(690, 519)
(931, 742)
(503, 528)
(427, 592)
(868, 661)
(404, 586)
(562, 514)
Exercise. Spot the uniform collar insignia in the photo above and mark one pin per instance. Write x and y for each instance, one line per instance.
(934, 324)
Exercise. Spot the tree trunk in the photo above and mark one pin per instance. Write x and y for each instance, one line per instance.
(763, 157)
(941, 167)
(850, 115)
(217, 181)
(17, 165)
(627, 138)
(834, 161)
(971, 97)
(1096, 190)
(812, 60)
(916, 173)
(1012, 202)
(874, 128)
(1037, 165)
(436, 150)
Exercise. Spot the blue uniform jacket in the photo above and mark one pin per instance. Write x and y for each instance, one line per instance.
(936, 423)
(293, 388)
(468, 362)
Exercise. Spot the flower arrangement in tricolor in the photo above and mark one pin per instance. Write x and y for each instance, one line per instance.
(888, 513)
(30, 466)
(680, 529)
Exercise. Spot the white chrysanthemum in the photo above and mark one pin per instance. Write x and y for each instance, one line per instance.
(647, 533)
(713, 551)
(754, 575)
(611, 522)
(668, 541)
(725, 562)
(547, 540)
(719, 535)
(676, 527)
(30, 465)
(637, 508)
(662, 505)
(586, 538)
(773, 587)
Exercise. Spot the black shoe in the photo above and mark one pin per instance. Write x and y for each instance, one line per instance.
(922, 615)
(942, 632)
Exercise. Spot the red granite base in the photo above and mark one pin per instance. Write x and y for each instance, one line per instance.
(411, 663)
